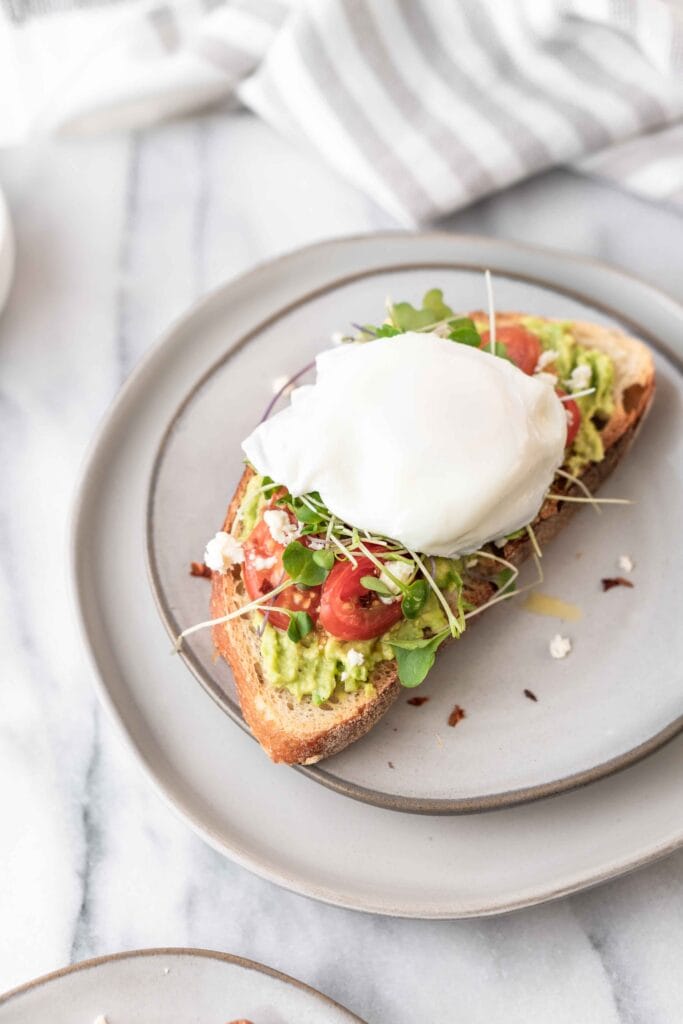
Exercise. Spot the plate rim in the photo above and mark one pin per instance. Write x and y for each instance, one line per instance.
(378, 798)
(169, 951)
(572, 881)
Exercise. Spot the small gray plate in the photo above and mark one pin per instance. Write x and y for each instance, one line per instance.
(169, 986)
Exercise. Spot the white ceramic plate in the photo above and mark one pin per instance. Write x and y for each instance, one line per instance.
(437, 867)
(169, 986)
(590, 717)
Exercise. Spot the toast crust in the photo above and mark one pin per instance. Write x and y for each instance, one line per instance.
(297, 732)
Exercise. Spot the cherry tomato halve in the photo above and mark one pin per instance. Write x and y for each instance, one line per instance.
(263, 571)
(349, 611)
(573, 417)
(523, 347)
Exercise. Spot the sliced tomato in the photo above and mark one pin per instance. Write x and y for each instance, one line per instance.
(263, 571)
(349, 611)
(522, 346)
(573, 417)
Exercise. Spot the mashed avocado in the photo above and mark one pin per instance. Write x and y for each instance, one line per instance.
(319, 665)
(250, 507)
(595, 408)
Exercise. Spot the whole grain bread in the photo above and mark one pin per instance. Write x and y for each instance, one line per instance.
(298, 732)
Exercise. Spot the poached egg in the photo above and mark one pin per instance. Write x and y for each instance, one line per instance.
(433, 443)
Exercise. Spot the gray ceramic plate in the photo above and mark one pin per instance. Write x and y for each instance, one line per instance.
(270, 819)
(169, 986)
(607, 705)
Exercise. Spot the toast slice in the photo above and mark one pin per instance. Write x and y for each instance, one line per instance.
(298, 732)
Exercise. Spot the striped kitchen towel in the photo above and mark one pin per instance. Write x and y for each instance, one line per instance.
(427, 105)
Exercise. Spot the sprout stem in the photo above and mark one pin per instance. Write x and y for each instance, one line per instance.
(492, 312)
(252, 606)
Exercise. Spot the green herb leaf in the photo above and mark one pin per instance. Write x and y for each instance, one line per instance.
(415, 663)
(300, 625)
(324, 558)
(386, 331)
(307, 515)
(464, 331)
(434, 309)
(502, 580)
(299, 563)
(500, 350)
(373, 583)
(415, 599)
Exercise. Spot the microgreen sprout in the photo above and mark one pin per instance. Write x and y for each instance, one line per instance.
(252, 606)
(534, 542)
(582, 487)
(589, 501)
(454, 626)
(576, 394)
(491, 312)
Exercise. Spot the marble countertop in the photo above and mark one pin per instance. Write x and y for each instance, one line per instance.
(116, 237)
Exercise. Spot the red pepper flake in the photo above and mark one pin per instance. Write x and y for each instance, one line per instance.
(417, 702)
(615, 581)
(199, 569)
(530, 694)
(456, 715)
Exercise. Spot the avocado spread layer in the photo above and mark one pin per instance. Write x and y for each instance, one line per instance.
(595, 408)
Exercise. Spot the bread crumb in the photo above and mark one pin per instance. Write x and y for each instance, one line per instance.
(390, 763)
(560, 646)
(625, 563)
(531, 695)
(456, 715)
(417, 702)
(197, 569)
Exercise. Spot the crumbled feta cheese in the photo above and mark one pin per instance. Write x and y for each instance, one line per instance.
(625, 563)
(545, 359)
(282, 530)
(355, 658)
(570, 418)
(101, 1019)
(547, 378)
(402, 571)
(560, 646)
(580, 378)
(337, 338)
(343, 677)
(222, 551)
(261, 563)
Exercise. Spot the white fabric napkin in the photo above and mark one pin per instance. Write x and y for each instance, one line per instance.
(427, 105)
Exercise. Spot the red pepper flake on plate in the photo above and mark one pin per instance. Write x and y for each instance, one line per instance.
(530, 694)
(615, 581)
(456, 715)
(417, 702)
